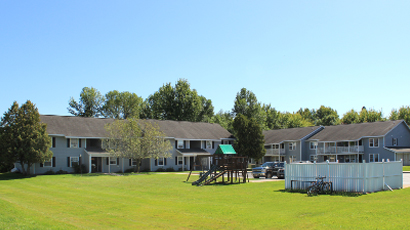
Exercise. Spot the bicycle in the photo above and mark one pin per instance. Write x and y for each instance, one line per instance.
(319, 186)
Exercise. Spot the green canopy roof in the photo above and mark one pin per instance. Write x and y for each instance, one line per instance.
(225, 149)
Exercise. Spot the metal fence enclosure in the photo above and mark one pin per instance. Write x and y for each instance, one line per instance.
(346, 177)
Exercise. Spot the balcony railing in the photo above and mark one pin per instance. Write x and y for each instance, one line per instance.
(340, 149)
(275, 152)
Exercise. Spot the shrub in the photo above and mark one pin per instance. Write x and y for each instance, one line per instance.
(131, 170)
(160, 170)
(49, 172)
(78, 169)
(61, 172)
(145, 170)
(170, 169)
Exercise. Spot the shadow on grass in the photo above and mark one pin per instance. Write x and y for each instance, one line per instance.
(14, 176)
(345, 194)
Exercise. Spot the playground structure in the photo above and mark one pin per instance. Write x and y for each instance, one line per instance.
(224, 163)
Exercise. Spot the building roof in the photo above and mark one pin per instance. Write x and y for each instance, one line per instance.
(71, 126)
(280, 135)
(355, 131)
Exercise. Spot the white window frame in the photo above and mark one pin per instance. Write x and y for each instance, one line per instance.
(49, 161)
(180, 161)
(372, 157)
(312, 145)
(372, 142)
(276, 146)
(133, 162)
(292, 159)
(180, 144)
(72, 160)
(163, 161)
(110, 160)
(71, 143)
(53, 139)
(209, 144)
(313, 157)
(292, 146)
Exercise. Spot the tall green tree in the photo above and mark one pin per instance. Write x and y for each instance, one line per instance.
(394, 115)
(89, 105)
(247, 104)
(326, 116)
(122, 105)
(291, 120)
(370, 115)
(137, 140)
(404, 114)
(178, 103)
(308, 115)
(350, 117)
(23, 138)
(249, 137)
(271, 117)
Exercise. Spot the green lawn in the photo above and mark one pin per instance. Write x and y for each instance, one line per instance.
(164, 201)
(406, 168)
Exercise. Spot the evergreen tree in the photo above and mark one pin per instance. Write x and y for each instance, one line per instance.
(249, 137)
(23, 138)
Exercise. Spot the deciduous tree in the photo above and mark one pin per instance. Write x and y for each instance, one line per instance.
(23, 138)
(89, 105)
(122, 105)
(136, 139)
(326, 116)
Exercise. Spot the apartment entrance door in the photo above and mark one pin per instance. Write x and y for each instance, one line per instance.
(96, 164)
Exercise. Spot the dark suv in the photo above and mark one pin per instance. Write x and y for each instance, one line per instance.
(267, 170)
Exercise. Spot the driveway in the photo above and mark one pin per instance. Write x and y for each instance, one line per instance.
(406, 179)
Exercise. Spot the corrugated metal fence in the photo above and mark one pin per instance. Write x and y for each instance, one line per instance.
(347, 177)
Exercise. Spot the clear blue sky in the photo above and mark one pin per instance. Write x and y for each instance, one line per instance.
(292, 54)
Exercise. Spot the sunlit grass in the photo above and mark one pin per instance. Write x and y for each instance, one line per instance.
(165, 201)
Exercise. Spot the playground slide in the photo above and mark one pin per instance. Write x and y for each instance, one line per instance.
(213, 168)
(215, 177)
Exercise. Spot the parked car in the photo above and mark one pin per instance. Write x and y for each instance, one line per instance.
(267, 170)
(281, 173)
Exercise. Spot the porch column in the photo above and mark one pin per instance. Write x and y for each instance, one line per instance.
(183, 162)
(89, 160)
(189, 163)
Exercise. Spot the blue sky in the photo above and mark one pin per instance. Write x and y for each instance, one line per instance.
(291, 54)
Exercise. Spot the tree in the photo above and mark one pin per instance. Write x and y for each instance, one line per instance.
(89, 105)
(178, 103)
(308, 115)
(291, 120)
(271, 117)
(137, 140)
(249, 137)
(370, 115)
(122, 105)
(247, 104)
(225, 119)
(394, 115)
(350, 117)
(404, 114)
(23, 138)
(326, 116)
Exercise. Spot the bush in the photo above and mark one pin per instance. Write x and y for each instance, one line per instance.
(182, 169)
(160, 170)
(5, 167)
(61, 172)
(145, 170)
(131, 170)
(49, 172)
(170, 169)
(78, 169)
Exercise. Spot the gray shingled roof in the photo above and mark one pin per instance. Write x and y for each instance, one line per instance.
(279, 135)
(94, 127)
(355, 131)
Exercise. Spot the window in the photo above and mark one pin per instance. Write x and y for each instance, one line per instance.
(73, 142)
(53, 142)
(395, 141)
(282, 146)
(74, 161)
(209, 144)
(180, 144)
(275, 146)
(373, 142)
(113, 160)
(133, 162)
(48, 163)
(313, 145)
(373, 157)
(292, 145)
(187, 144)
(161, 161)
(313, 158)
(292, 159)
(179, 160)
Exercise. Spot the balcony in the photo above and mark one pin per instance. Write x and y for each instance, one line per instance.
(275, 152)
(340, 150)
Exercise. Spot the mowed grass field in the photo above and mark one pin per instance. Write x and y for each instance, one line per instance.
(165, 201)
